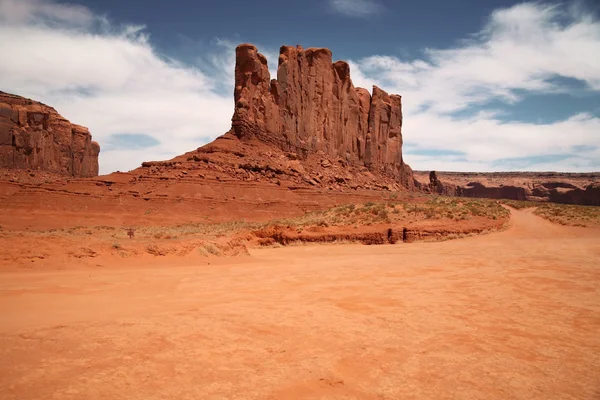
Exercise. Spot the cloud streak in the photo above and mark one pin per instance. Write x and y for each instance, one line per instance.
(355, 8)
(18, 12)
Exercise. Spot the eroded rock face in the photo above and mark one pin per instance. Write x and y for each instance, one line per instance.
(590, 196)
(556, 187)
(436, 186)
(476, 189)
(35, 136)
(313, 107)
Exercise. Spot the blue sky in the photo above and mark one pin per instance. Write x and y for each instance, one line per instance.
(355, 29)
(486, 85)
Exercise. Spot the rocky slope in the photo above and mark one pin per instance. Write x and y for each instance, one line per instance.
(34, 136)
(566, 188)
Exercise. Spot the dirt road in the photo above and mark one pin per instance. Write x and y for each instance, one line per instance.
(510, 315)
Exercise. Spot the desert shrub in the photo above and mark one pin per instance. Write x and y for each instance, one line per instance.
(344, 209)
(383, 215)
(569, 214)
(518, 204)
(212, 249)
(153, 249)
(336, 220)
(430, 214)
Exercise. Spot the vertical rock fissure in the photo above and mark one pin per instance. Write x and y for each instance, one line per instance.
(317, 109)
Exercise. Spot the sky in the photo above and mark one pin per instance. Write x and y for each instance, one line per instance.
(492, 85)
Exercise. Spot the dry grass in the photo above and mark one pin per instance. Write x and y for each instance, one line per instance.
(566, 214)
(202, 229)
(436, 207)
(390, 211)
(519, 205)
(458, 208)
(211, 249)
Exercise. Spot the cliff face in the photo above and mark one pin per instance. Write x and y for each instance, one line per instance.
(476, 189)
(35, 136)
(313, 107)
(589, 196)
(556, 187)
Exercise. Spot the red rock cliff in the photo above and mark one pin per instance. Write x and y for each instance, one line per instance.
(35, 136)
(313, 107)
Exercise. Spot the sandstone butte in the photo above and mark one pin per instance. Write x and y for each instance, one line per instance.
(313, 107)
(34, 136)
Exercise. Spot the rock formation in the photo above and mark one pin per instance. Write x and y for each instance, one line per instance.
(556, 187)
(477, 189)
(436, 186)
(34, 136)
(589, 196)
(313, 108)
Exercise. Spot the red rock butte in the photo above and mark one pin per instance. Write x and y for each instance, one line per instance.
(313, 107)
(34, 136)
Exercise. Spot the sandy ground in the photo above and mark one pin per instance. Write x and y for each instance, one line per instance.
(510, 315)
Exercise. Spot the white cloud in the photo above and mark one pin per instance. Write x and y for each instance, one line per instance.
(521, 48)
(17, 12)
(113, 81)
(485, 141)
(355, 8)
(110, 80)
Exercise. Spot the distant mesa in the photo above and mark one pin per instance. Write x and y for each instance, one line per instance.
(34, 136)
(555, 187)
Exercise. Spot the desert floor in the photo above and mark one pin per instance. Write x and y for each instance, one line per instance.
(509, 315)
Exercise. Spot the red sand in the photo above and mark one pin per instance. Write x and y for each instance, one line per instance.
(514, 314)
